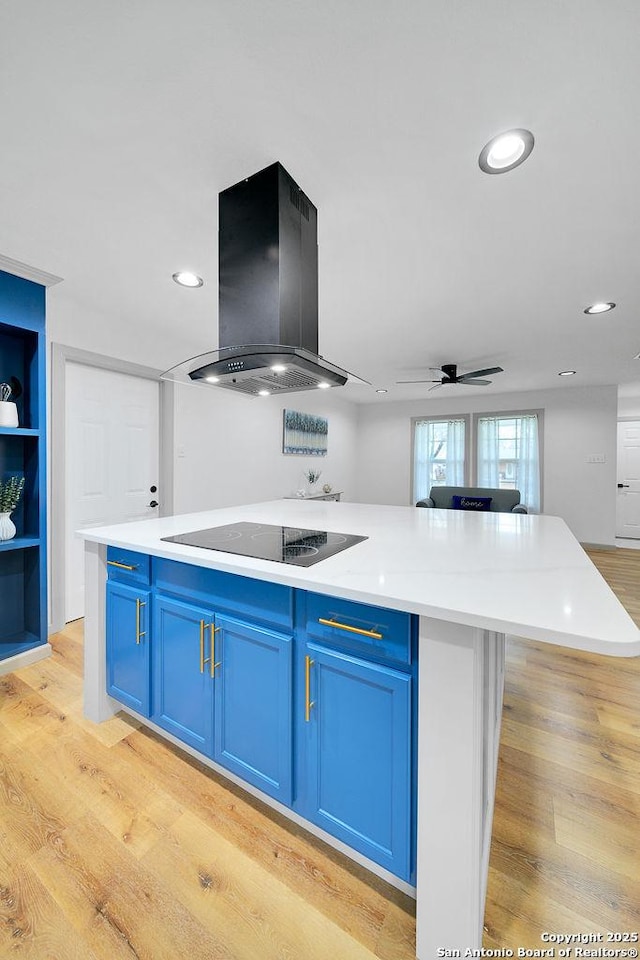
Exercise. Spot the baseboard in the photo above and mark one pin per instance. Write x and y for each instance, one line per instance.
(25, 659)
(599, 546)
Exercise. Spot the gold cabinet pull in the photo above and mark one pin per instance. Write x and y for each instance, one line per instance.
(214, 664)
(308, 702)
(122, 566)
(203, 659)
(139, 605)
(345, 626)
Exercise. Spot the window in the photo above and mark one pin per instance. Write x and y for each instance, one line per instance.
(508, 452)
(438, 454)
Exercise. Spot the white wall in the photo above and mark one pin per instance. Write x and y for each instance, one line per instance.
(84, 326)
(578, 422)
(629, 407)
(229, 447)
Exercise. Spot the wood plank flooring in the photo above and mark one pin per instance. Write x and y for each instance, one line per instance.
(114, 844)
(565, 854)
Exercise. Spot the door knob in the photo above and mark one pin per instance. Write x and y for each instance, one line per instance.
(154, 503)
(621, 485)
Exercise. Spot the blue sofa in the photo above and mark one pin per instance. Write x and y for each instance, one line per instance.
(502, 501)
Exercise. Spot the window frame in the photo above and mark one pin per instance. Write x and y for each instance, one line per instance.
(510, 415)
(466, 417)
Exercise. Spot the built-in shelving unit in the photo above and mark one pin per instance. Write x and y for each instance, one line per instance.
(23, 560)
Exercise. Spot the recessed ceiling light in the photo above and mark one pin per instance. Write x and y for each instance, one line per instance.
(566, 373)
(187, 279)
(278, 368)
(323, 385)
(264, 393)
(506, 151)
(212, 379)
(382, 391)
(600, 307)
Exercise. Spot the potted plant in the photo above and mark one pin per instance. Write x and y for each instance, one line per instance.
(10, 493)
(312, 478)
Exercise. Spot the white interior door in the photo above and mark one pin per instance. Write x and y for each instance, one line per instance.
(628, 500)
(112, 460)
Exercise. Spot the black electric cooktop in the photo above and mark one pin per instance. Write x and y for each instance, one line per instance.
(265, 541)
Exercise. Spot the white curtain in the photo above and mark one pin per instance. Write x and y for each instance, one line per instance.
(528, 467)
(421, 462)
(455, 453)
(488, 452)
(527, 456)
(439, 445)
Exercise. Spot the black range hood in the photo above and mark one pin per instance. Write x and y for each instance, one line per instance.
(268, 293)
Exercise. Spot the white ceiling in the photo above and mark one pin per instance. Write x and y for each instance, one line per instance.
(120, 122)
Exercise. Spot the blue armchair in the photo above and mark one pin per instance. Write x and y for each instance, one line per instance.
(502, 501)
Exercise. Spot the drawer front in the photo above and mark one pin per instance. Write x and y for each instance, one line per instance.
(127, 566)
(270, 603)
(372, 632)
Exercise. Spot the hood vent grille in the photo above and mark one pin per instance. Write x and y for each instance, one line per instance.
(289, 382)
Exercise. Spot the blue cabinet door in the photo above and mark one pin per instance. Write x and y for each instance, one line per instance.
(357, 741)
(253, 705)
(182, 673)
(128, 640)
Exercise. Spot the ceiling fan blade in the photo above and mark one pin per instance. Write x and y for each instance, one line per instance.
(418, 381)
(473, 382)
(437, 386)
(480, 373)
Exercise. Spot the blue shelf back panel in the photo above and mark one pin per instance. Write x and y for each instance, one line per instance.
(19, 593)
(20, 457)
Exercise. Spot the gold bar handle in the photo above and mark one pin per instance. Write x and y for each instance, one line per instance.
(139, 605)
(122, 566)
(214, 664)
(203, 659)
(308, 663)
(345, 626)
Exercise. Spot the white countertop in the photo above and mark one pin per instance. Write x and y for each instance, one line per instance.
(513, 573)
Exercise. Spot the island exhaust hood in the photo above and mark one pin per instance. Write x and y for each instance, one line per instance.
(267, 293)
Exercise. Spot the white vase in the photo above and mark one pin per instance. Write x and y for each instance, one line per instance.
(7, 527)
(8, 414)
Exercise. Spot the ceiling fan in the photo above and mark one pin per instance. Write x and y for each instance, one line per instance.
(450, 371)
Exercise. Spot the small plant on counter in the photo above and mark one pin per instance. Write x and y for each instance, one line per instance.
(313, 475)
(10, 493)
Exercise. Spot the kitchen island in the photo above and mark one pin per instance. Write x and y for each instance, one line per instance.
(467, 580)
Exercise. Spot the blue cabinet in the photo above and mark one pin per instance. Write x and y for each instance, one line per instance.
(182, 668)
(356, 737)
(128, 645)
(23, 559)
(253, 705)
(309, 698)
(214, 674)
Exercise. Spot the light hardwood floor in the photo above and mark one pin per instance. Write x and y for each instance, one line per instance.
(114, 844)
